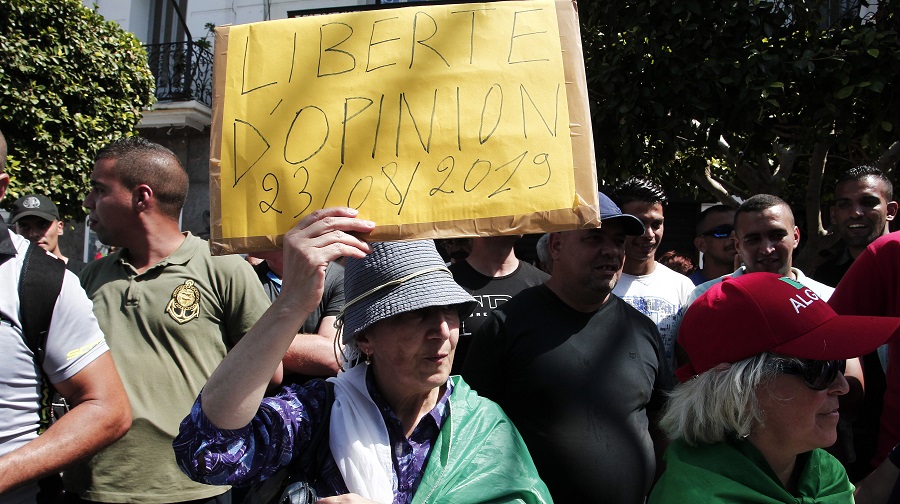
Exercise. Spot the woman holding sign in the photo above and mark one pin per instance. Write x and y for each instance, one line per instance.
(400, 430)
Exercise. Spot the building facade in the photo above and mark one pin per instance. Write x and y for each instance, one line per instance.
(179, 40)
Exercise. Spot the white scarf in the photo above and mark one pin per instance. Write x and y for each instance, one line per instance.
(359, 439)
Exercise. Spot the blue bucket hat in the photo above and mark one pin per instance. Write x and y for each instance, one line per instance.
(397, 277)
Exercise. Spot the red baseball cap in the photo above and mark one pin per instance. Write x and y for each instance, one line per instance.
(745, 316)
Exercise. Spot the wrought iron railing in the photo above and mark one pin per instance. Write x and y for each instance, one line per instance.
(183, 71)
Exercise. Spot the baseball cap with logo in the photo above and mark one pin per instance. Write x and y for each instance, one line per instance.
(34, 204)
(745, 316)
(609, 211)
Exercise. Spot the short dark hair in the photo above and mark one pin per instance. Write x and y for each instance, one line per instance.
(715, 209)
(758, 203)
(140, 161)
(637, 189)
(858, 173)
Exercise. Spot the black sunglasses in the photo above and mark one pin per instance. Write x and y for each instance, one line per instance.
(818, 375)
(723, 231)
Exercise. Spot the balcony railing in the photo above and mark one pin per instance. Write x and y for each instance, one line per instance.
(183, 71)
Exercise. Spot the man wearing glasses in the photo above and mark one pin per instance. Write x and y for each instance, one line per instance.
(715, 242)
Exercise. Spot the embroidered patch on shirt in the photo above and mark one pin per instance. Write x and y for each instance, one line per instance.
(185, 303)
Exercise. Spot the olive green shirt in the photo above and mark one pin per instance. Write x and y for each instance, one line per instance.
(167, 329)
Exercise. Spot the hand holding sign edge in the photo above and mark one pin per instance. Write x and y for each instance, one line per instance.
(319, 238)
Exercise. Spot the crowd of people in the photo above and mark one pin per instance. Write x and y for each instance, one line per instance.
(384, 372)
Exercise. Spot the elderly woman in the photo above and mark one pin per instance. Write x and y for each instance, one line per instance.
(400, 429)
(759, 398)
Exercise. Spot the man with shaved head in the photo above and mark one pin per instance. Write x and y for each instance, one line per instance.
(171, 311)
(765, 236)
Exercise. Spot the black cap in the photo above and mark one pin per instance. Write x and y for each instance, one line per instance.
(34, 204)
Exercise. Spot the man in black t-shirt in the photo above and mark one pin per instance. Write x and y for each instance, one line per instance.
(579, 371)
(491, 274)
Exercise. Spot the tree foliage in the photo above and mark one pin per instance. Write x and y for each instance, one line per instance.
(739, 97)
(668, 81)
(70, 82)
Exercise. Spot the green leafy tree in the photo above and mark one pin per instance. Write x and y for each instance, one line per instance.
(70, 82)
(742, 97)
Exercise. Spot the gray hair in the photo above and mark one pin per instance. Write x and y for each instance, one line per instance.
(721, 402)
(543, 250)
(348, 355)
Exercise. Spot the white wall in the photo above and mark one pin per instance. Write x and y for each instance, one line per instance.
(134, 15)
(280, 8)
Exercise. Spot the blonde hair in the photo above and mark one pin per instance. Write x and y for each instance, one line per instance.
(720, 402)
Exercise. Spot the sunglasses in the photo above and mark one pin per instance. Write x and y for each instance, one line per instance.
(818, 375)
(723, 231)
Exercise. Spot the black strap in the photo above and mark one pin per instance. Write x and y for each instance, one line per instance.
(40, 283)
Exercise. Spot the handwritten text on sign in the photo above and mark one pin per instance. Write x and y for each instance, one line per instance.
(417, 114)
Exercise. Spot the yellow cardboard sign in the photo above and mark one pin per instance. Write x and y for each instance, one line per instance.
(429, 120)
